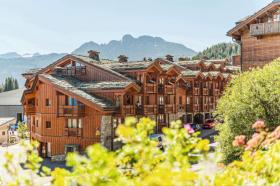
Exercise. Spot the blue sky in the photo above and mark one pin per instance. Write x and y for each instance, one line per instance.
(28, 26)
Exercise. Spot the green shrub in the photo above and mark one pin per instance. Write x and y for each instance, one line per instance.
(250, 96)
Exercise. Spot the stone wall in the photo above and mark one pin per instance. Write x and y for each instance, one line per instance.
(106, 132)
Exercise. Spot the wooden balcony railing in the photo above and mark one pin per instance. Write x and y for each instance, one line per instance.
(29, 109)
(151, 88)
(150, 109)
(169, 108)
(73, 132)
(169, 89)
(265, 28)
(128, 109)
(205, 91)
(71, 71)
(74, 111)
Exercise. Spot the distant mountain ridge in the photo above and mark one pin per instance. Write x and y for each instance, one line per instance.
(14, 64)
(136, 48)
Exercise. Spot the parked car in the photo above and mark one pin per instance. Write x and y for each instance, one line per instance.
(195, 127)
(158, 138)
(209, 124)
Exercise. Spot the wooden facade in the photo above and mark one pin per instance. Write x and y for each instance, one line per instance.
(259, 37)
(80, 100)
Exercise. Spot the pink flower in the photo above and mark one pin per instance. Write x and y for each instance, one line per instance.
(189, 128)
(254, 142)
(239, 141)
(258, 125)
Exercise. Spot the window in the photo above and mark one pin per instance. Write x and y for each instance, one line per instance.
(48, 124)
(37, 123)
(75, 123)
(3, 133)
(72, 101)
(161, 118)
(188, 100)
(161, 100)
(48, 102)
(161, 80)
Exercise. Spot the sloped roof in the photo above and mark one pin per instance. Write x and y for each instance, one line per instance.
(12, 97)
(105, 85)
(190, 73)
(72, 85)
(32, 71)
(249, 19)
(4, 121)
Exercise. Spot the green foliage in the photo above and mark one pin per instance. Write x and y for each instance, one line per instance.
(250, 96)
(219, 51)
(140, 161)
(9, 84)
(23, 131)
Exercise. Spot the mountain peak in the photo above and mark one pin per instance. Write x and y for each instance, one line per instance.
(136, 48)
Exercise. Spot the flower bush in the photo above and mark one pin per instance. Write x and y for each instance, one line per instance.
(250, 96)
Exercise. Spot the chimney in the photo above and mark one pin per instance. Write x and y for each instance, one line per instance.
(122, 58)
(93, 55)
(169, 57)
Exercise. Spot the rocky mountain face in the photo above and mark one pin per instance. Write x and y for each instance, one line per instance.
(136, 48)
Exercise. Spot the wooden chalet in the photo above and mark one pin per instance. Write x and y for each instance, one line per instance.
(80, 100)
(258, 36)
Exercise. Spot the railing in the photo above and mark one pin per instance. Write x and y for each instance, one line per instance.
(70, 71)
(73, 132)
(66, 111)
(150, 88)
(205, 91)
(169, 108)
(265, 28)
(169, 89)
(150, 109)
(29, 109)
(128, 109)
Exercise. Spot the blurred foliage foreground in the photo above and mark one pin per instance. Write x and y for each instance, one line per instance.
(141, 162)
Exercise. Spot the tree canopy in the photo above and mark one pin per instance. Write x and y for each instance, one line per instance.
(10, 83)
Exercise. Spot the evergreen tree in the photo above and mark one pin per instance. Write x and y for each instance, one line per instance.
(9, 84)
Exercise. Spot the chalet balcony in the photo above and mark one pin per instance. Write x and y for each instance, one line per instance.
(128, 110)
(169, 108)
(265, 29)
(169, 89)
(196, 91)
(151, 88)
(73, 132)
(72, 111)
(150, 109)
(205, 91)
(29, 109)
(71, 71)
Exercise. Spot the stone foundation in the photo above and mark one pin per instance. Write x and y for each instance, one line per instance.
(106, 132)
